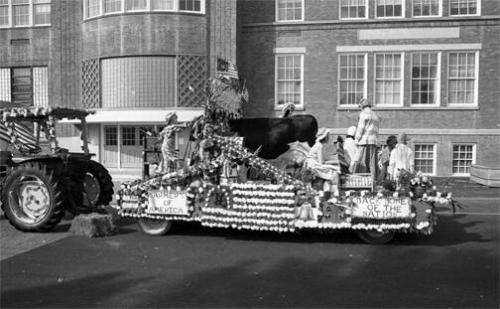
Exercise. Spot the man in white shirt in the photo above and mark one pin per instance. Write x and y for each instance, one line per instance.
(401, 157)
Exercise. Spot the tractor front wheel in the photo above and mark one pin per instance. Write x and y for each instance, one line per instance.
(32, 197)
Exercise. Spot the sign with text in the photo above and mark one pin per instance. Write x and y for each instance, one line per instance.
(167, 202)
(381, 208)
(129, 202)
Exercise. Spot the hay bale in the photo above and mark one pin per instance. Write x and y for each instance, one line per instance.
(93, 225)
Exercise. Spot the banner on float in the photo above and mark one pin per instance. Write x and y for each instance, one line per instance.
(381, 208)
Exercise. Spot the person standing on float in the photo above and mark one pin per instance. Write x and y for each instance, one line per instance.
(366, 139)
(402, 157)
(350, 148)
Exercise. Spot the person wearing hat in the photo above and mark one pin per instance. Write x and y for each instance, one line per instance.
(366, 139)
(401, 157)
(350, 147)
(168, 149)
(385, 154)
(287, 110)
(317, 157)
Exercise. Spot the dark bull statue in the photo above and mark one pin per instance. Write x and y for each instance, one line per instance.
(274, 134)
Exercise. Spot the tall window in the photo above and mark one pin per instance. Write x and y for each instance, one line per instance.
(390, 8)
(190, 5)
(289, 10)
(426, 8)
(388, 79)
(121, 87)
(21, 12)
(24, 13)
(464, 7)
(41, 12)
(163, 4)
(136, 5)
(352, 79)
(4, 13)
(289, 79)
(92, 8)
(24, 86)
(353, 9)
(464, 155)
(425, 158)
(462, 78)
(110, 136)
(112, 6)
(425, 78)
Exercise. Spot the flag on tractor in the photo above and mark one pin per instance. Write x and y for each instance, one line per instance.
(24, 134)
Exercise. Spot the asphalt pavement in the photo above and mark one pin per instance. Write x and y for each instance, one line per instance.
(455, 267)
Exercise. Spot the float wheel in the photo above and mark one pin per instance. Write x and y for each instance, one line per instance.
(374, 237)
(154, 227)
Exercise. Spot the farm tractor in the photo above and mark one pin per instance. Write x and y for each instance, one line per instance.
(39, 180)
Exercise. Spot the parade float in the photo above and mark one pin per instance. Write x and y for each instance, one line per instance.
(225, 185)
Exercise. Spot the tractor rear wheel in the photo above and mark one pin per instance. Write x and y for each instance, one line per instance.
(32, 197)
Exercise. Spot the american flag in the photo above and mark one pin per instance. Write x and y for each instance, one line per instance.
(226, 69)
(24, 134)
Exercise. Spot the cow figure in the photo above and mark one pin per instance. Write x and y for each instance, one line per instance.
(274, 134)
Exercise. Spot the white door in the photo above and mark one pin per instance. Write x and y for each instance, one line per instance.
(110, 146)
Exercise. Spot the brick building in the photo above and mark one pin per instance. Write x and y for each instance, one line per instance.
(430, 67)
(131, 60)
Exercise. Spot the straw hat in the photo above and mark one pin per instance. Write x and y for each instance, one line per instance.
(403, 138)
(288, 109)
(363, 103)
(170, 117)
(322, 134)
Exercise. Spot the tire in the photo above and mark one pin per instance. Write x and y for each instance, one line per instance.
(154, 227)
(32, 197)
(93, 189)
(98, 185)
(373, 237)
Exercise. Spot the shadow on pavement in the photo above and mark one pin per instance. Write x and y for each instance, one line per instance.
(83, 292)
(383, 278)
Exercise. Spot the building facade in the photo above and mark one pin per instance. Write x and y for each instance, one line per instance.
(430, 68)
(132, 61)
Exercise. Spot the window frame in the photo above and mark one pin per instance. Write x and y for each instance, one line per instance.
(438, 74)
(440, 10)
(474, 156)
(105, 139)
(434, 156)
(174, 9)
(402, 78)
(49, 2)
(354, 18)
(476, 79)
(478, 9)
(365, 79)
(276, 11)
(9, 15)
(403, 13)
(12, 85)
(300, 106)
(149, 8)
